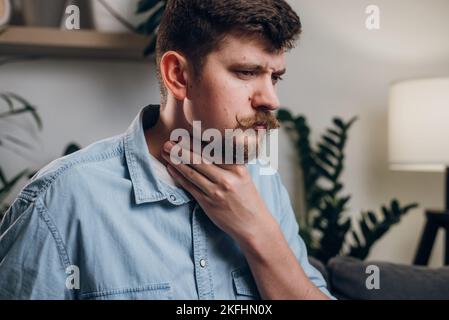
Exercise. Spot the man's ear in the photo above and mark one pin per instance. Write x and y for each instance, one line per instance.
(174, 72)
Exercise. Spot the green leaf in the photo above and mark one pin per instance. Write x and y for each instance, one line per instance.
(151, 47)
(356, 238)
(145, 5)
(339, 123)
(71, 148)
(342, 202)
(284, 115)
(330, 142)
(334, 133)
(300, 122)
(395, 206)
(18, 98)
(342, 125)
(2, 177)
(336, 188)
(328, 151)
(371, 217)
(350, 123)
(365, 229)
(35, 115)
(8, 101)
(9, 185)
(324, 159)
(409, 207)
(324, 172)
(27, 107)
(31, 174)
(345, 228)
(338, 171)
(149, 26)
(386, 213)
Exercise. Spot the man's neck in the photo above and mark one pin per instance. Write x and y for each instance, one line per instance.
(171, 117)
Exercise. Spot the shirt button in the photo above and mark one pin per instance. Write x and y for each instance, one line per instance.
(202, 263)
(172, 197)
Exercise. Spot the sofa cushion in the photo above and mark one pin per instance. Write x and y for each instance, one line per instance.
(348, 276)
(317, 264)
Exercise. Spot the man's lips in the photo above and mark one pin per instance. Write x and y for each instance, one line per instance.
(260, 126)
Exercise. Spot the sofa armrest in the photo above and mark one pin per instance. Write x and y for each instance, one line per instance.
(348, 277)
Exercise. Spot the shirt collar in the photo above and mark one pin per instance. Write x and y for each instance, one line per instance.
(146, 186)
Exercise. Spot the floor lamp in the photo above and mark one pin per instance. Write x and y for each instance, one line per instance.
(419, 141)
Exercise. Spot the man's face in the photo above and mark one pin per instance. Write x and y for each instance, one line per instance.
(237, 85)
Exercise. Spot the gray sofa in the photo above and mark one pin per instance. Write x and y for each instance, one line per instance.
(346, 278)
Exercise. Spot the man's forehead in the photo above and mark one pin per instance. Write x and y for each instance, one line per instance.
(250, 51)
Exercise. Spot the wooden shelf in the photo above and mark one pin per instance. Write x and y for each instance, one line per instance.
(78, 44)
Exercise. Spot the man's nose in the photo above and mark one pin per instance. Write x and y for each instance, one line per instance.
(265, 97)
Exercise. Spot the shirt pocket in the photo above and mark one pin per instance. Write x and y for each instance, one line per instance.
(245, 287)
(158, 291)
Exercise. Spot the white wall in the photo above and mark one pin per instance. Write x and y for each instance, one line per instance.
(79, 100)
(339, 68)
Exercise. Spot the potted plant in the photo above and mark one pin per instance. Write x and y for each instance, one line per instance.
(43, 13)
(17, 106)
(324, 224)
(117, 15)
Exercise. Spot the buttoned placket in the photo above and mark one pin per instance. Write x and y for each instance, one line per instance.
(203, 275)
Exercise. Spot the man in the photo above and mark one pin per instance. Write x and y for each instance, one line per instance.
(121, 219)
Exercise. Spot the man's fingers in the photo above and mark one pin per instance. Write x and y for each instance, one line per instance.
(178, 155)
(193, 176)
(186, 184)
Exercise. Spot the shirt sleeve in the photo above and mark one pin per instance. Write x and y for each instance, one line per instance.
(290, 228)
(32, 259)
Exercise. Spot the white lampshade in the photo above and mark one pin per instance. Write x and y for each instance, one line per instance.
(419, 125)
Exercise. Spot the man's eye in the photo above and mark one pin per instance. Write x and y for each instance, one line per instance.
(276, 79)
(246, 73)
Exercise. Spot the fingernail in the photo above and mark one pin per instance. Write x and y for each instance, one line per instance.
(168, 146)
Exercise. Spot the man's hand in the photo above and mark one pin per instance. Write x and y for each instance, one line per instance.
(226, 193)
(229, 197)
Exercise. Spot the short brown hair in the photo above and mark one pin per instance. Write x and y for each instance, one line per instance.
(195, 28)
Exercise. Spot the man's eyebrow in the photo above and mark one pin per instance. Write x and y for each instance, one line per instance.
(256, 67)
(280, 72)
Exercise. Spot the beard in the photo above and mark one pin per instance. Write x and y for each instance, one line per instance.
(243, 147)
(245, 142)
(251, 142)
(240, 145)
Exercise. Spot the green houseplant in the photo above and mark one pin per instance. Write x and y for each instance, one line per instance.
(144, 20)
(325, 226)
(150, 25)
(17, 106)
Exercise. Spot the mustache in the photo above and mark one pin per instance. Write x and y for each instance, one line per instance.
(264, 118)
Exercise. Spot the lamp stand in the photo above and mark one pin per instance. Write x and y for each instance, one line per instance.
(435, 221)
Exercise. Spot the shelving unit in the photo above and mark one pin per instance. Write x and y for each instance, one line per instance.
(77, 44)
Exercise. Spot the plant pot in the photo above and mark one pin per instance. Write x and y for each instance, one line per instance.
(103, 18)
(5, 12)
(43, 13)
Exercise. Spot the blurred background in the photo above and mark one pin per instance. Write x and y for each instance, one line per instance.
(90, 83)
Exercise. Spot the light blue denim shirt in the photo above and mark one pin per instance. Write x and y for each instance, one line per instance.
(98, 224)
